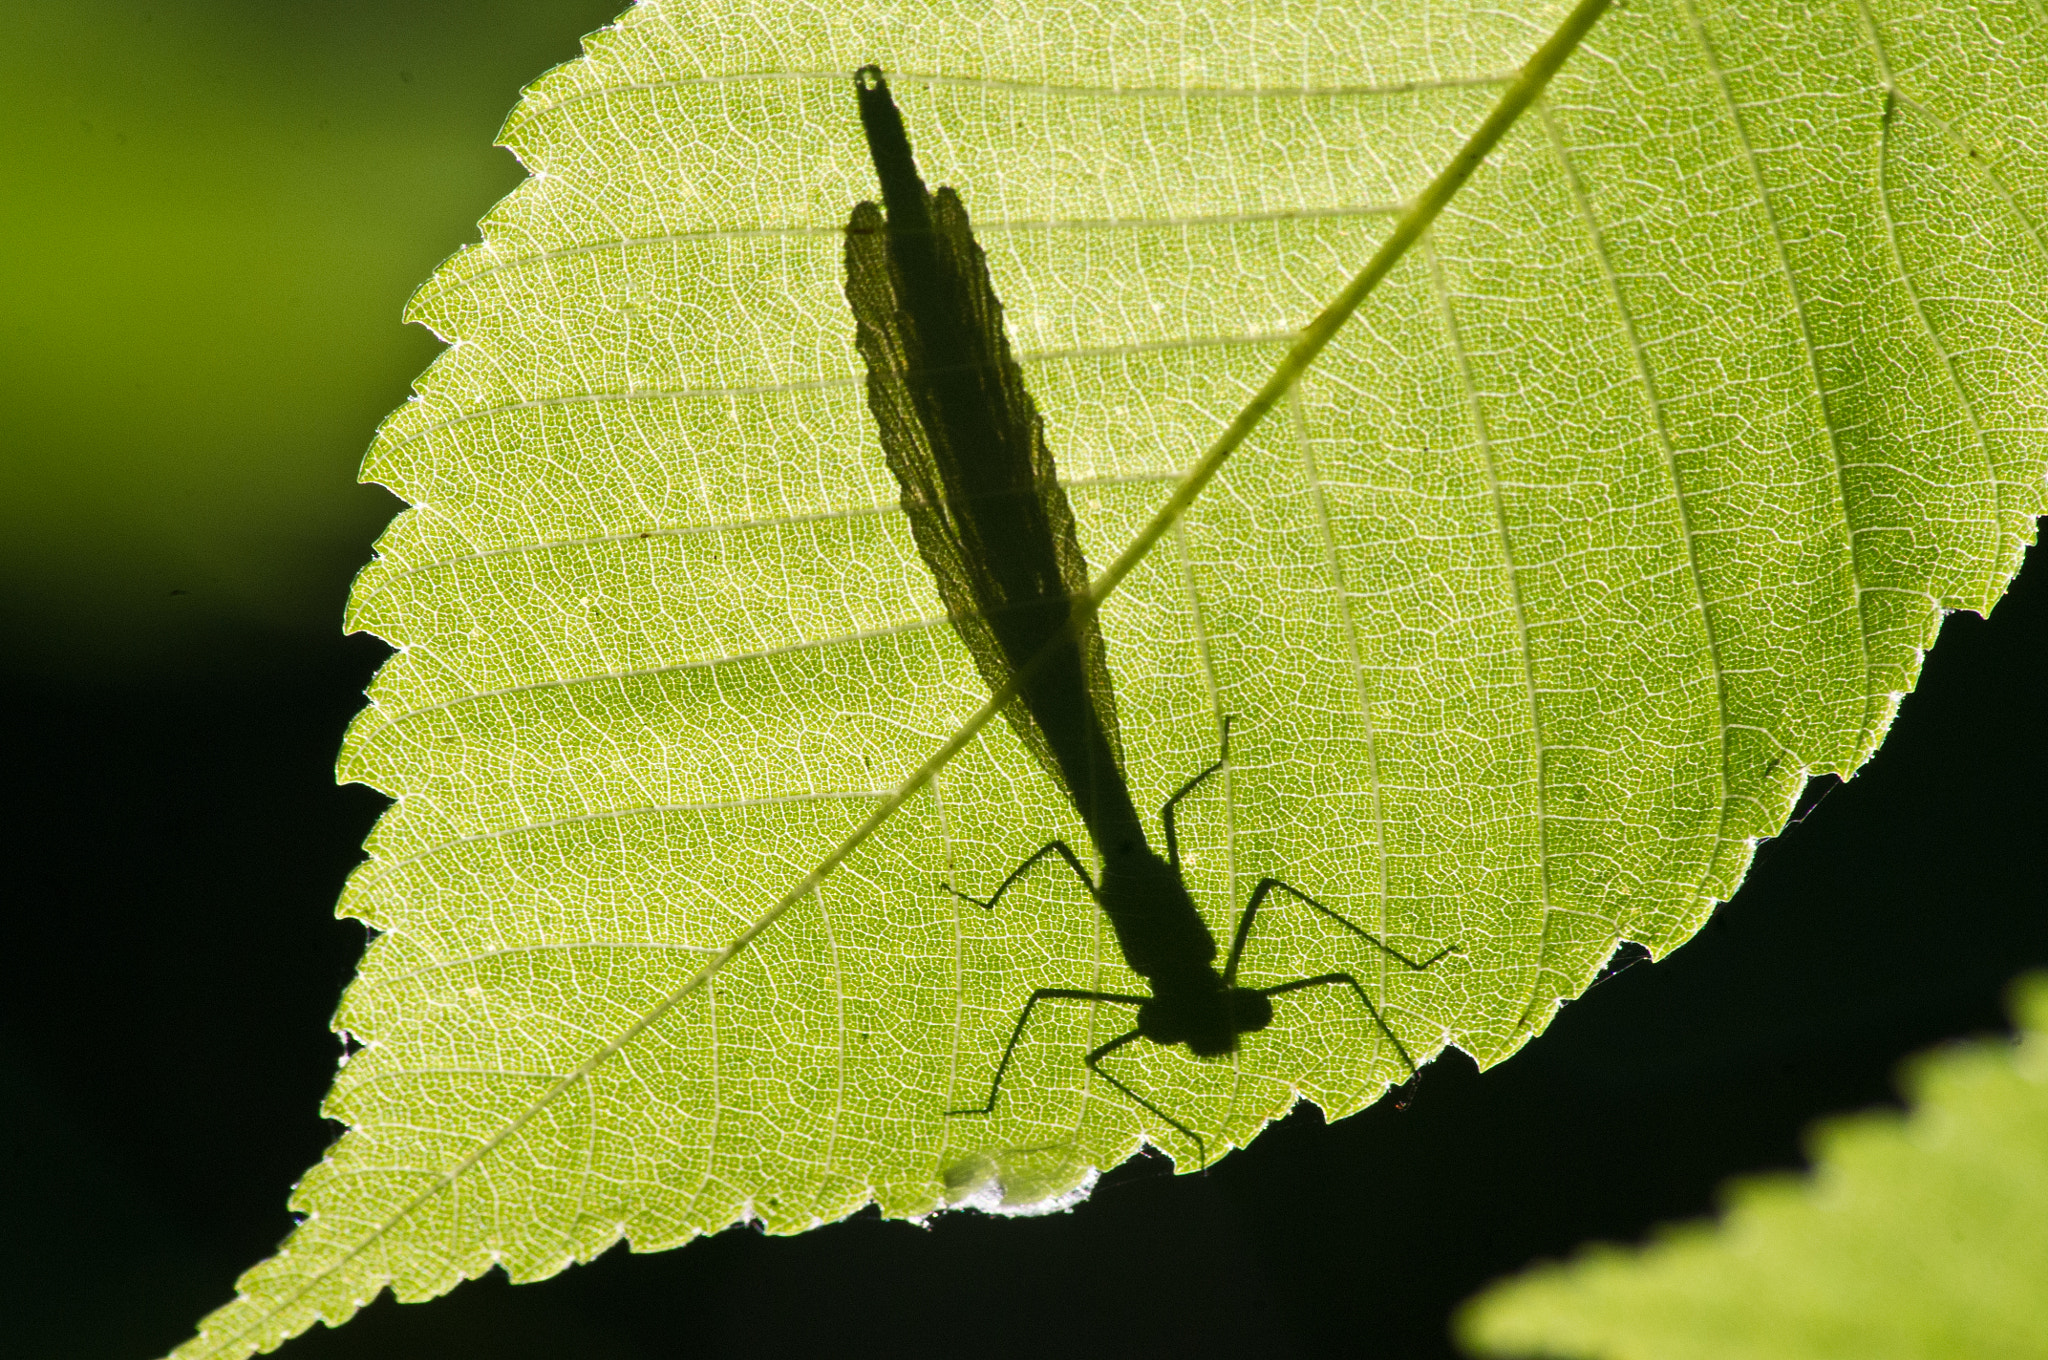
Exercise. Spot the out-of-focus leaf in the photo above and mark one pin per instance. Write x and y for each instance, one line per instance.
(1915, 1237)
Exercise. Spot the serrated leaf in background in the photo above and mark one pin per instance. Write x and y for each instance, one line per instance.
(1919, 1236)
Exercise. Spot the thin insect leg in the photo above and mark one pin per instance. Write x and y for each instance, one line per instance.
(1331, 979)
(1094, 1061)
(1166, 813)
(1009, 1050)
(1060, 848)
(1258, 898)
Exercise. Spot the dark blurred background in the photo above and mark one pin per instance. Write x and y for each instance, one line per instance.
(211, 215)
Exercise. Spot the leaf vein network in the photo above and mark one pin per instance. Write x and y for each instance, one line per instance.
(1660, 425)
(1489, 471)
(836, 81)
(572, 682)
(1954, 379)
(850, 380)
(1353, 652)
(501, 265)
(739, 526)
(381, 867)
(552, 947)
(1711, 56)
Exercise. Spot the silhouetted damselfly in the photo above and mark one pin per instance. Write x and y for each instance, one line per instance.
(990, 519)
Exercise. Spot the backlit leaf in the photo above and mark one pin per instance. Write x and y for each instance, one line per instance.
(1628, 502)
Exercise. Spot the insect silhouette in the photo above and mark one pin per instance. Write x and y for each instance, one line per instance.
(965, 441)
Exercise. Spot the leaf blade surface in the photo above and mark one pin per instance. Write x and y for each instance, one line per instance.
(1536, 602)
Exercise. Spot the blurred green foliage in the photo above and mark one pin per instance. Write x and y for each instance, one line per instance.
(1914, 1237)
(213, 214)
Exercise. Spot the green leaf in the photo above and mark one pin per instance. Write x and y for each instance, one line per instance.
(1628, 501)
(1921, 1235)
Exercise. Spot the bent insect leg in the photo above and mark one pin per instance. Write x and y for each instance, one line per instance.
(1060, 848)
(1166, 813)
(1024, 1018)
(1094, 1061)
(1331, 979)
(1265, 889)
